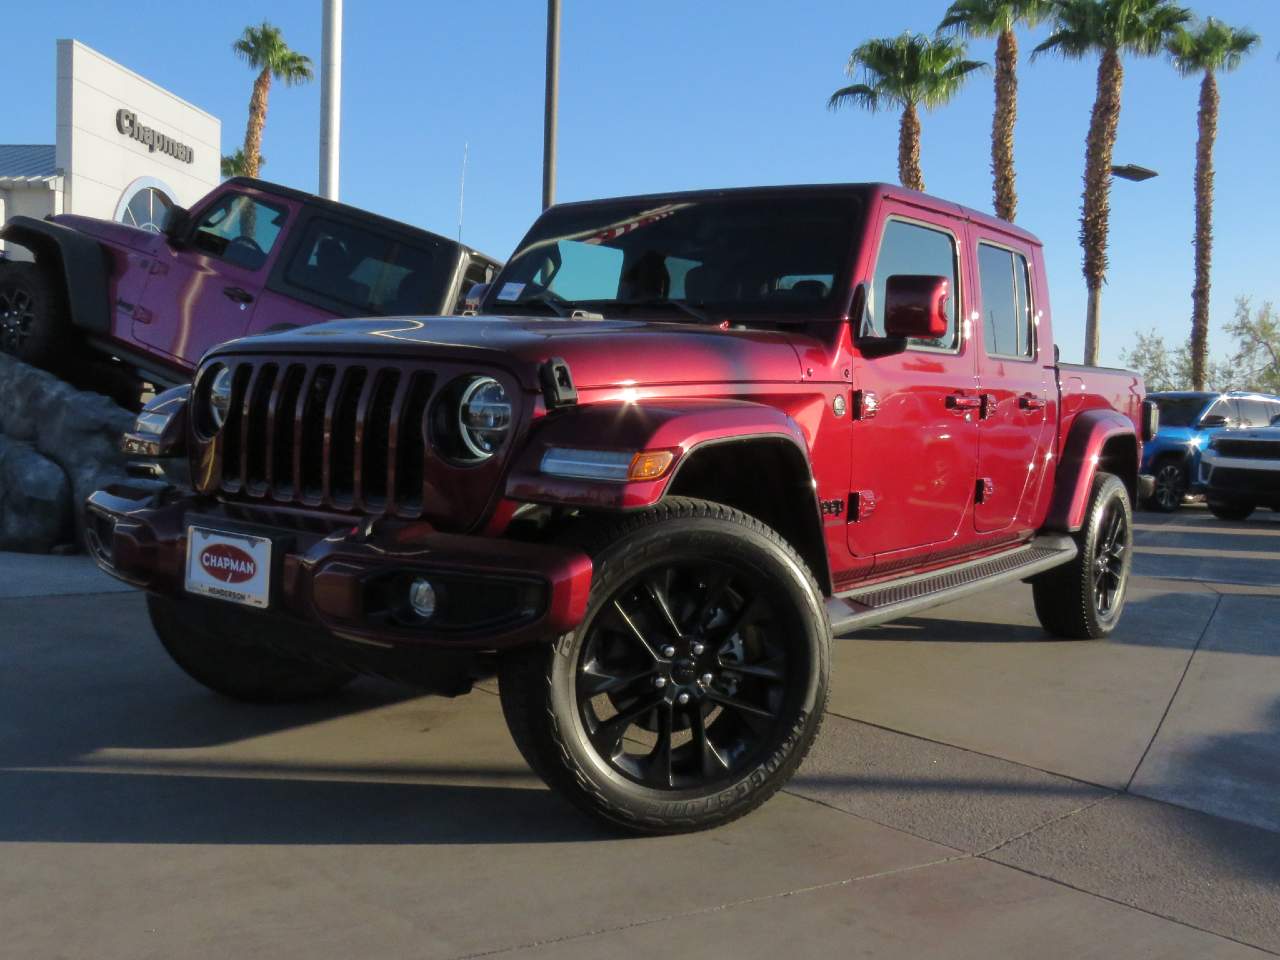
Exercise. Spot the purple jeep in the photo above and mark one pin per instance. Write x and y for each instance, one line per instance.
(114, 305)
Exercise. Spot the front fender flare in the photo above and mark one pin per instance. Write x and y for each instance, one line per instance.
(681, 426)
(79, 261)
(1090, 433)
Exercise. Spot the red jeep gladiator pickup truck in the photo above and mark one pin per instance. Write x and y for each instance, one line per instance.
(248, 257)
(686, 440)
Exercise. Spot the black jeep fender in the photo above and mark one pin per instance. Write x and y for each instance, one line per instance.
(80, 262)
(749, 456)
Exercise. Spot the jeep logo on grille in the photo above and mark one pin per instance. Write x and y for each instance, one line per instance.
(228, 563)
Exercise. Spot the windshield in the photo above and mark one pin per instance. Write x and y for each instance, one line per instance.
(700, 260)
(1181, 411)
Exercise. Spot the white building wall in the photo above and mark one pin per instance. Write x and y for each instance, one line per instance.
(98, 161)
(36, 200)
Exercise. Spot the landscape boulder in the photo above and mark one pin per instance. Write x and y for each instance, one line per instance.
(77, 430)
(35, 500)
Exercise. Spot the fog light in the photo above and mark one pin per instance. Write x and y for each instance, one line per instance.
(422, 598)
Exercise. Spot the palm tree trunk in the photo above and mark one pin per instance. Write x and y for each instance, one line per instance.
(909, 174)
(1006, 113)
(1208, 132)
(257, 120)
(1095, 214)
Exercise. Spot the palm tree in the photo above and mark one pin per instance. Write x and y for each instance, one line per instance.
(906, 72)
(264, 49)
(997, 18)
(1108, 28)
(233, 164)
(1210, 48)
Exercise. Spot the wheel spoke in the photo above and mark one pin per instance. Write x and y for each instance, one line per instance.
(596, 680)
(741, 706)
(711, 760)
(658, 769)
(607, 737)
(658, 594)
(716, 587)
(741, 618)
(770, 670)
(632, 630)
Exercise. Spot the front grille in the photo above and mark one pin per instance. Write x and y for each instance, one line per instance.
(347, 436)
(1249, 449)
(1228, 479)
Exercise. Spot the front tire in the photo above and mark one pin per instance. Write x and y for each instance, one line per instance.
(1230, 509)
(1170, 485)
(694, 686)
(1083, 599)
(33, 315)
(238, 664)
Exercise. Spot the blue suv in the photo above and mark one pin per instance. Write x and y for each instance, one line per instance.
(1188, 420)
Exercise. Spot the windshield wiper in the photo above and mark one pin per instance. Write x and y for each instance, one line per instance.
(545, 299)
(697, 313)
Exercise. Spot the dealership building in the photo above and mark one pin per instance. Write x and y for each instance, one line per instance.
(125, 149)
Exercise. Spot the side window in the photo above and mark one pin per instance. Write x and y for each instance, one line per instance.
(240, 230)
(911, 249)
(367, 271)
(1254, 413)
(1006, 308)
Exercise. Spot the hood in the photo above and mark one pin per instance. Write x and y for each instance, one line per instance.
(600, 353)
(120, 234)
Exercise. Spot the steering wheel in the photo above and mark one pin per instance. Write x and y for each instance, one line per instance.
(247, 242)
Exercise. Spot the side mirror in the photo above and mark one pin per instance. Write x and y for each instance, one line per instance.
(178, 226)
(1214, 420)
(916, 307)
(1150, 420)
(475, 296)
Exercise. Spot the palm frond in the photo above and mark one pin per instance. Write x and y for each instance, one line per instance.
(858, 94)
(1210, 46)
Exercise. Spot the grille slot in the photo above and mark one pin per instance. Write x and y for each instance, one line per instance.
(341, 436)
(1248, 449)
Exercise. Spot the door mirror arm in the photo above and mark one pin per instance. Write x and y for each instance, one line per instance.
(177, 231)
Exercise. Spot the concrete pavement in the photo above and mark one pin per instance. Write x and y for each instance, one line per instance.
(977, 791)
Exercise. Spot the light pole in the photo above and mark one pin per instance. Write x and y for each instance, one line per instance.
(552, 105)
(330, 97)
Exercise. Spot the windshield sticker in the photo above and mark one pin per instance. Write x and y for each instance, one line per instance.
(511, 291)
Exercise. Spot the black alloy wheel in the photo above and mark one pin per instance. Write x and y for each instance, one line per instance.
(683, 680)
(1170, 486)
(696, 682)
(1110, 559)
(17, 314)
(33, 315)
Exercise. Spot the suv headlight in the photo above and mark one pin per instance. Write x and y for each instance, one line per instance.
(484, 417)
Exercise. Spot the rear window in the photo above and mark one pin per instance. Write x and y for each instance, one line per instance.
(367, 271)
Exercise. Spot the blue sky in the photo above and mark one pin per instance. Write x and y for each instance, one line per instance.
(671, 94)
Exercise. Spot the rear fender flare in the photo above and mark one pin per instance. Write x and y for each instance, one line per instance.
(78, 261)
(1097, 437)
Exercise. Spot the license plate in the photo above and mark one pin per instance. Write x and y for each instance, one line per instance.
(229, 566)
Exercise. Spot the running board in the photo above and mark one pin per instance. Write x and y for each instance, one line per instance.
(891, 599)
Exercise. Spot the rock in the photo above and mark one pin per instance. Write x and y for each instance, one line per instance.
(76, 429)
(35, 500)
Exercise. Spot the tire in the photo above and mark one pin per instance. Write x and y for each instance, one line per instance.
(1170, 486)
(688, 599)
(239, 666)
(1083, 599)
(34, 325)
(1230, 509)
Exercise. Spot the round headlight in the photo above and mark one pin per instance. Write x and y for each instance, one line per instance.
(220, 396)
(484, 417)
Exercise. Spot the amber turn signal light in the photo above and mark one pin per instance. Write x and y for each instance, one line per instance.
(650, 465)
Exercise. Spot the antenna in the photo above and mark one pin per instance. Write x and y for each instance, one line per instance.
(462, 186)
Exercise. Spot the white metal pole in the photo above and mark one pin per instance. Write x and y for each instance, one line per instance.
(330, 98)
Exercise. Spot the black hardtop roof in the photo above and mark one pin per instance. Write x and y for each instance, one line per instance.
(865, 191)
(291, 193)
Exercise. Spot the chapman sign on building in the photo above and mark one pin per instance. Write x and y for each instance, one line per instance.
(125, 149)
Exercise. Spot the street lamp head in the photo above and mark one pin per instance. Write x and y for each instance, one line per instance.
(1131, 171)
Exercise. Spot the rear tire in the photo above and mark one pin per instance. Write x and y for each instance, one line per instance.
(241, 665)
(688, 600)
(1230, 509)
(34, 325)
(1083, 599)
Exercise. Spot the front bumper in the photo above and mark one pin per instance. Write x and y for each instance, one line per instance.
(495, 594)
(1240, 478)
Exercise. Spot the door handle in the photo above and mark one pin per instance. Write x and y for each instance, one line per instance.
(238, 294)
(958, 401)
(1031, 402)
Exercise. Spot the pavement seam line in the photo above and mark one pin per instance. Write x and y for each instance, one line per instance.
(716, 908)
(1047, 823)
(880, 823)
(1130, 906)
(1186, 668)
